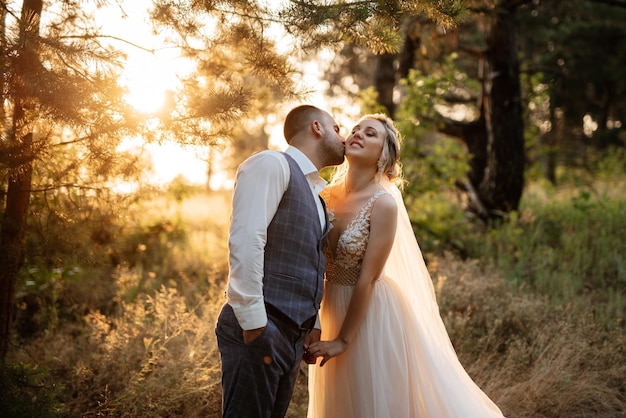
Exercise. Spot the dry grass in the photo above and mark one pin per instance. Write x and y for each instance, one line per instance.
(153, 353)
(158, 357)
(532, 358)
(155, 358)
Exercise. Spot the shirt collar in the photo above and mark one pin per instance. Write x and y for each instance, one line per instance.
(303, 161)
(307, 167)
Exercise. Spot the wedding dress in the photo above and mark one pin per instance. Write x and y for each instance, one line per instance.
(401, 363)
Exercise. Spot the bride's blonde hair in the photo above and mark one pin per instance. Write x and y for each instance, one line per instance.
(389, 164)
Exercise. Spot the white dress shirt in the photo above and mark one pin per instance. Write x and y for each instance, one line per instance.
(261, 182)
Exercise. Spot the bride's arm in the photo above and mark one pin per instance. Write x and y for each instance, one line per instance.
(383, 222)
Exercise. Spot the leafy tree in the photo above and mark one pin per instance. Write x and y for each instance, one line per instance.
(501, 44)
(65, 113)
(241, 77)
(577, 50)
(245, 71)
(486, 41)
(59, 92)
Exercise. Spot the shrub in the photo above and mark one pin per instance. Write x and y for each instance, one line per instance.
(533, 358)
(25, 392)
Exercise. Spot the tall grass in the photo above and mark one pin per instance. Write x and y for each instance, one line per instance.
(532, 357)
(536, 317)
(155, 357)
(140, 340)
(564, 245)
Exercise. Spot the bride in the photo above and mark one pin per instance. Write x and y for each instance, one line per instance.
(389, 355)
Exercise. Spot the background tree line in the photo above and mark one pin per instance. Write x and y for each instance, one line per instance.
(527, 76)
(62, 98)
(518, 83)
(549, 48)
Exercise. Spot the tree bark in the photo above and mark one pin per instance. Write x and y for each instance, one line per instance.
(496, 139)
(503, 179)
(551, 142)
(17, 203)
(385, 81)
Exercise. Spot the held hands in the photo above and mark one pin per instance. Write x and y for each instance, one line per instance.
(327, 349)
(313, 336)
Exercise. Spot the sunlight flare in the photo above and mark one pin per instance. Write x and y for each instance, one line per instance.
(147, 83)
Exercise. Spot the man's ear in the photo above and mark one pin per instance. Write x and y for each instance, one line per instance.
(316, 126)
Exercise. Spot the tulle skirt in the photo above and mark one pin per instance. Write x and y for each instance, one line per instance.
(392, 369)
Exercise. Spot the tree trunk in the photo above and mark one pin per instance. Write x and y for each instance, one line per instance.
(385, 81)
(503, 180)
(552, 141)
(19, 177)
(12, 243)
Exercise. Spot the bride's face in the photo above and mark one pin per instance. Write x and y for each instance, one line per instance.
(365, 142)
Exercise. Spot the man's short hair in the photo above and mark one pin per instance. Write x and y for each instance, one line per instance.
(298, 119)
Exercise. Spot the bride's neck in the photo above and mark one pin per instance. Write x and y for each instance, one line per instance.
(358, 181)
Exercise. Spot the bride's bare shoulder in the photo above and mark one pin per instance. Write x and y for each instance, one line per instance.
(385, 205)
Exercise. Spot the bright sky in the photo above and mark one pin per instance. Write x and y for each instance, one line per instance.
(149, 75)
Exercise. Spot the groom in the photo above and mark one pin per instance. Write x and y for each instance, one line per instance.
(277, 232)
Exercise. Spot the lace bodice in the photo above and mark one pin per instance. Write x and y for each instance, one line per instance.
(344, 266)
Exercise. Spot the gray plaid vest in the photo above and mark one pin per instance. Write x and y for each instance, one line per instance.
(293, 280)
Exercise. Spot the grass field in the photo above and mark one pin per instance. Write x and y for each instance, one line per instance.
(536, 315)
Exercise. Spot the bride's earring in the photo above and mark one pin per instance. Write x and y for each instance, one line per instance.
(379, 170)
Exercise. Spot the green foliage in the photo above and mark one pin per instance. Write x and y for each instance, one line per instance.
(418, 113)
(160, 248)
(151, 351)
(147, 247)
(71, 228)
(433, 164)
(579, 47)
(435, 205)
(564, 248)
(372, 24)
(26, 391)
(46, 299)
(423, 93)
(536, 124)
(443, 163)
(439, 223)
(532, 357)
(36, 301)
(611, 165)
(368, 101)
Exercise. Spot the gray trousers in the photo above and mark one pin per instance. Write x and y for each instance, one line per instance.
(258, 379)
